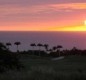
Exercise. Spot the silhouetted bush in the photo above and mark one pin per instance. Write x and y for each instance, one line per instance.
(8, 60)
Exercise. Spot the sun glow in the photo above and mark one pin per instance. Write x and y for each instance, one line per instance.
(85, 22)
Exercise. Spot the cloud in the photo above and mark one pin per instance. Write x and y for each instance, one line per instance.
(59, 7)
(35, 9)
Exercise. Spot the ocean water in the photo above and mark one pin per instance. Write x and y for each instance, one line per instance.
(67, 39)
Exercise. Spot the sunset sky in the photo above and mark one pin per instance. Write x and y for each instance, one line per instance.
(42, 15)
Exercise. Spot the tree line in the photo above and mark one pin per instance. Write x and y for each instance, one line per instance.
(39, 45)
(55, 51)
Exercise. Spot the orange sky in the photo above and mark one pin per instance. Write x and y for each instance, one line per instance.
(35, 15)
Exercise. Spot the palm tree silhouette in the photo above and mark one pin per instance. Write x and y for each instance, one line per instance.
(17, 44)
(33, 45)
(54, 48)
(39, 45)
(46, 46)
(8, 45)
(50, 51)
(58, 48)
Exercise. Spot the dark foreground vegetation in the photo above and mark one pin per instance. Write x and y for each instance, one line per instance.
(38, 64)
(8, 59)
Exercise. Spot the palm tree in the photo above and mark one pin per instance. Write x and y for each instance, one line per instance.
(46, 46)
(17, 44)
(33, 45)
(8, 45)
(39, 45)
(54, 48)
(50, 50)
(58, 48)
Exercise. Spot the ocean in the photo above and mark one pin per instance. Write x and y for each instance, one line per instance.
(67, 39)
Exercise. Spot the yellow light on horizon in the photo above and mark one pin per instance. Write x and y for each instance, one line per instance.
(71, 28)
(85, 22)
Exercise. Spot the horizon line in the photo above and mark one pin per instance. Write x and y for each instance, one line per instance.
(39, 31)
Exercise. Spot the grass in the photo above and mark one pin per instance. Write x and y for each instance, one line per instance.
(42, 68)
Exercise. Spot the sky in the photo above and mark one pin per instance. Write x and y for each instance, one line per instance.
(42, 15)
